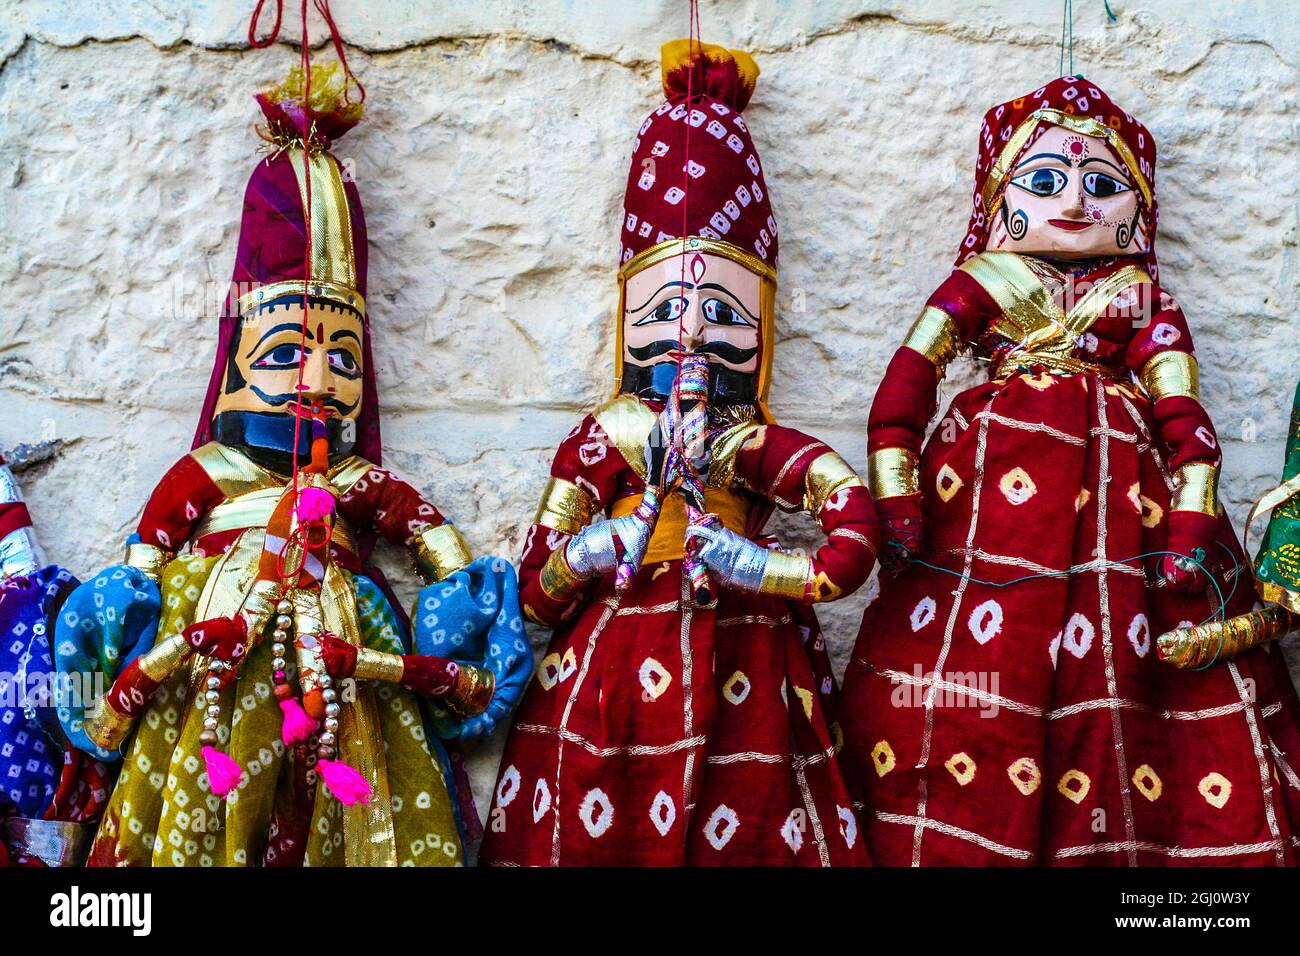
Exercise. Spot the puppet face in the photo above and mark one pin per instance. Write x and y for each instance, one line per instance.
(1069, 198)
(259, 398)
(712, 310)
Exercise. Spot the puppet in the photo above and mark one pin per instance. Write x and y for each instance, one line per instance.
(1006, 703)
(270, 703)
(683, 713)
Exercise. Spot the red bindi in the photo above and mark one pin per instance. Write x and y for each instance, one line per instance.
(1076, 148)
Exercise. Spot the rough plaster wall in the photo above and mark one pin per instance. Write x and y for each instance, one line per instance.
(491, 165)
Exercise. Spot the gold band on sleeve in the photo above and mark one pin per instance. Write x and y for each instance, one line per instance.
(148, 558)
(557, 580)
(827, 474)
(472, 692)
(786, 575)
(1197, 489)
(379, 665)
(163, 658)
(440, 551)
(565, 507)
(934, 334)
(891, 473)
(1171, 374)
(105, 726)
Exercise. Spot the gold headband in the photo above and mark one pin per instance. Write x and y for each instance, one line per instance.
(1084, 125)
(671, 248)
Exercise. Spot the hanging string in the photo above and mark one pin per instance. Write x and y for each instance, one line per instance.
(1067, 22)
(253, 41)
(306, 268)
(1219, 614)
(1110, 14)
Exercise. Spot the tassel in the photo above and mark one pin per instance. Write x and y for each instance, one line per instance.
(314, 504)
(223, 773)
(346, 783)
(297, 726)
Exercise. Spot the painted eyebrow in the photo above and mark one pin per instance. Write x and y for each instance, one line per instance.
(1099, 159)
(729, 294)
(344, 334)
(1056, 156)
(282, 327)
(666, 285)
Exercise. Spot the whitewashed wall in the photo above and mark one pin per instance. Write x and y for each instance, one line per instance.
(491, 165)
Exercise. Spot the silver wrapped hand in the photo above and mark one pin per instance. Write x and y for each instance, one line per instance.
(594, 549)
(735, 561)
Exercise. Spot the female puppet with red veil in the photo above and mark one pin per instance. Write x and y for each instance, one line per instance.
(1006, 702)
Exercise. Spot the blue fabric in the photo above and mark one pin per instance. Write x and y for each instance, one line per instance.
(31, 758)
(473, 616)
(106, 624)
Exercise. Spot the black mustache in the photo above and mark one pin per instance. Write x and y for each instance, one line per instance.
(723, 350)
(287, 398)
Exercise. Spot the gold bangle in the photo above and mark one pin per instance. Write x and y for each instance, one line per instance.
(472, 692)
(1186, 647)
(163, 658)
(892, 473)
(565, 507)
(827, 474)
(379, 665)
(1171, 374)
(105, 726)
(1197, 490)
(557, 580)
(148, 558)
(934, 334)
(786, 575)
(440, 551)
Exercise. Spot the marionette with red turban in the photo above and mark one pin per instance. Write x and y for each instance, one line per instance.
(683, 712)
(1006, 702)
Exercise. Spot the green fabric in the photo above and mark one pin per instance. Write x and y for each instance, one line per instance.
(1277, 564)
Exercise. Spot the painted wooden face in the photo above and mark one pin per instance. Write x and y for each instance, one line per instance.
(712, 309)
(262, 371)
(1069, 198)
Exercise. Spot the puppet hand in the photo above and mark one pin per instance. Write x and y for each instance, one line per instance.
(340, 657)
(596, 549)
(221, 638)
(902, 530)
(735, 561)
(1190, 534)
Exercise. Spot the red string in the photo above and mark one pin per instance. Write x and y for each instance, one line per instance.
(324, 7)
(306, 219)
(692, 53)
(275, 30)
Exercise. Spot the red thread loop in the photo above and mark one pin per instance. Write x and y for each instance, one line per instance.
(253, 41)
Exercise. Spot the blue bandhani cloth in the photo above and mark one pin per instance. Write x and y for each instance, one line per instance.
(31, 757)
(473, 616)
(105, 624)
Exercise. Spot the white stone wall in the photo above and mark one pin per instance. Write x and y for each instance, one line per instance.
(491, 165)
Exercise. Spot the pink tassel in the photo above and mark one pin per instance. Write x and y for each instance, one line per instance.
(314, 504)
(297, 726)
(223, 773)
(347, 784)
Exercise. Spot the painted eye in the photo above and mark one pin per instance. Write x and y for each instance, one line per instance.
(1041, 182)
(718, 312)
(280, 357)
(342, 360)
(669, 310)
(1103, 186)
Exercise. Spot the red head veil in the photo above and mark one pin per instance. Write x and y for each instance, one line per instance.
(272, 252)
(1080, 106)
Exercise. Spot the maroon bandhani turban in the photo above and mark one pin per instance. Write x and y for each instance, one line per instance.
(271, 260)
(719, 192)
(1081, 107)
